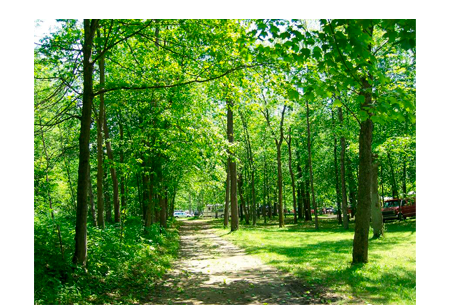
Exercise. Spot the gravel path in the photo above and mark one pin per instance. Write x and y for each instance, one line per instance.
(212, 270)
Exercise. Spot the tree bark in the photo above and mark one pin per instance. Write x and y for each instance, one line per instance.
(163, 213)
(108, 207)
(404, 179)
(101, 114)
(227, 196)
(352, 187)
(362, 218)
(252, 167)
(269, 205)
(377, 216)
(80, 253)
(294, 201)
(382, 182)
(172, 205)
(311, 178)
(264, 212)
(343, 187)
(233, 174)
(123, 199)
(245, 213)
(301, 194)
(91, 201)
(278, 142)
(149, 210)
(307, 196)
(113, 173)
(394, 183)
(336, 174)
(280, 185)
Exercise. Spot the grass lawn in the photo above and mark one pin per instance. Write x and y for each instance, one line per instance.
(323, 258)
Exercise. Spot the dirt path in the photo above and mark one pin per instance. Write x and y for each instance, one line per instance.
(212, 270)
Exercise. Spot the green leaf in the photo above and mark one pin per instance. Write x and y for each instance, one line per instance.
(317, 53)
(360, 99)
(293, 94)
(363, 115)
(306, 52)
(337, 103)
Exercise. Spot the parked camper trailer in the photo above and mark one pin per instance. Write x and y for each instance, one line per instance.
(213, 211)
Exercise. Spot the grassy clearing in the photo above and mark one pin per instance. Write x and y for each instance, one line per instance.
(323, 258)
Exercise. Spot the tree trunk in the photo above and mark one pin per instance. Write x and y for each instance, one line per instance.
(404, 179)
(233, 174)
(246, 203)
(91, 201)
(311, 178)
(336, 174)
(300, 192)
(382, 183)
(227, 196)
(113, 173)
(252, 167)
(280, 187)
(145, 197)
(108, 207)
(294, 201)
(253, 196)
(80, 253)
(157, 201)
(241, 196)
(377, 217)
(123, 200)
(342, 161)
(394, 183)
(149, 210)
(101, 114)
(275, 206)
(352, 187)
(361, 239)
(307, 197)
(163, 213)
(264, 212)
(172, 205)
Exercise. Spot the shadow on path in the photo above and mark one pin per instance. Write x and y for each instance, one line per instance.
(211, 270)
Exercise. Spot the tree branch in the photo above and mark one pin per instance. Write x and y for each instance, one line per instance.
(162, 86)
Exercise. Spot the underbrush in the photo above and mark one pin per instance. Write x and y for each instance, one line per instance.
(123, 264)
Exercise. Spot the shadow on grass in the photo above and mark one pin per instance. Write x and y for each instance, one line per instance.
(388, 278)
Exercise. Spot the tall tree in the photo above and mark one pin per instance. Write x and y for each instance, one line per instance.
(278, 142)
(100, 119)
(311, 177)
(336, 174)
(294, 201)
(232, 168)
(80, 254)
(342, 162)
(376, 215)
(226, 215)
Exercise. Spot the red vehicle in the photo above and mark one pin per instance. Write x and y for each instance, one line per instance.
(399, 209)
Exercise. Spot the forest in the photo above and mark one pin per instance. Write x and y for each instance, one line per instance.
(273, 121)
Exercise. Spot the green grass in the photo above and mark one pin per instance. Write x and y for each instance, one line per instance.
(323, 258)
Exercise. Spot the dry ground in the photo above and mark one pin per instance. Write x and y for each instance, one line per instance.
(211, 270)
